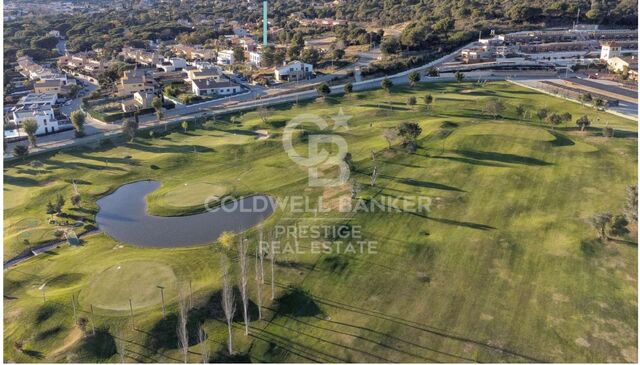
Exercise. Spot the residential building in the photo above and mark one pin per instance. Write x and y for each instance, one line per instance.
(42, 114)
(322, 21)
(477, 54)
(49, 86)
(255, 58)
(624, 65)
(205, 74)
(194, 52)
(248, 44)
(34, 71)
(201, 65)
(54, 33)
(172, 64)
(140, 100)
(213, 88)
(84, 62)
(135, 81)
(610, 50)
(141, 56)
(41, 99)
(294, 71)
(226, 57)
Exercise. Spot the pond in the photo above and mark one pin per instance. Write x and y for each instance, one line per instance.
(123, 215)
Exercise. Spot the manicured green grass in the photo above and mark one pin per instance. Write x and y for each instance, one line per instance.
(496, 270)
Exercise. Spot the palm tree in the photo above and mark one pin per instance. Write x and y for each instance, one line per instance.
(30, 127)
(459, 76)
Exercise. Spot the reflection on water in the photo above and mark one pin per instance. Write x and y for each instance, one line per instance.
(123, 216)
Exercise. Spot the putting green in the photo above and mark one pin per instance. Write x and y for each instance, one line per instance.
(193, 194)
(138, 280)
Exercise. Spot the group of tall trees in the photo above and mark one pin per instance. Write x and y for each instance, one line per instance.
(229, 302)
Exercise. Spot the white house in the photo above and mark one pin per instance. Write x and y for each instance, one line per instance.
(225, 57)
(205, 74)
(294, 71)
(255, 58)
(172, 64)
(210, 88)
(42, 114)
(39, 99)
(610, 50)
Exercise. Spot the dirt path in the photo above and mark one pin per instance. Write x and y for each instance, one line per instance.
(72, 338)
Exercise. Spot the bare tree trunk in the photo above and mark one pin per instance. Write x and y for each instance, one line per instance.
(261, 254)
(242, 260)
(374, 176)
(204, 347)
(228, 300)
(258, 283)
(272, 254)
(183, 335)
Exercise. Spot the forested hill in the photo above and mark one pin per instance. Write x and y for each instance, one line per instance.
(475, 13)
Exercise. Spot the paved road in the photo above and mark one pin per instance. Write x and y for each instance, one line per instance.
(66, 109)
(607, 86)
(249, 101)
(92, 126)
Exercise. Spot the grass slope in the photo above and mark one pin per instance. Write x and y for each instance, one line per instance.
(499, 269)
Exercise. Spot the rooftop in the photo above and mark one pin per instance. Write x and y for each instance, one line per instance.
(38, 98)
(210, 84)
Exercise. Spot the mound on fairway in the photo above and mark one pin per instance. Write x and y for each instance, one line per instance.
(193, 194)
(138, 280)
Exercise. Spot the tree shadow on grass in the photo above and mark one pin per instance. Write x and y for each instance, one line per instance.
(43, 335)
(163, 335)
(479, 226)
(470, 161)
(214, 307)
(45, 312)
(561, 140)
(146, 147)
(223, 356)
(33, 353)
(428, 184)
(502, 157)
(75, 165)
(591, 247)
(335, 263)
(297, 302)
(101, 346)
(20, 181)
(426, 329)
(111, 160)
(387, 106)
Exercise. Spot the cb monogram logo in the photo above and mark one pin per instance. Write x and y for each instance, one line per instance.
(318, 158)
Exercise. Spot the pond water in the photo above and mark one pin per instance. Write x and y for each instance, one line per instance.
(123, 215)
